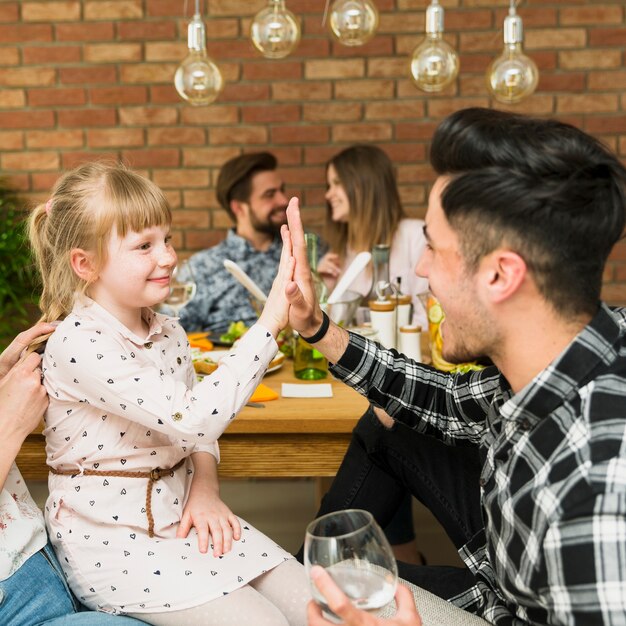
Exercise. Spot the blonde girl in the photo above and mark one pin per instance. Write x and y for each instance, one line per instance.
(134, 511)
(364, 209)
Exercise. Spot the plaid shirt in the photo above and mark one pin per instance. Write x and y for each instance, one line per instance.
(220, 299)
(553, 483)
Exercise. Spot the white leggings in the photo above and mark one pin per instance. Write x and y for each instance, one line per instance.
(277, 598)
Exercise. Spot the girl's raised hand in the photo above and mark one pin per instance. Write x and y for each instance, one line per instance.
(329, 265)
(275, 313)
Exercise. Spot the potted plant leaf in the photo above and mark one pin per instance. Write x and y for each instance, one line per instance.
(18, 297)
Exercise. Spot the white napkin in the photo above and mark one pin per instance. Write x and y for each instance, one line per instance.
(320, 390)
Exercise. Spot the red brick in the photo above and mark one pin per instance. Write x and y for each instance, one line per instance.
(56, 97)
(239, 135)
(153, 157)
(607, 37)
(146, 31)
(44, 181)
(118, 95)
(298, 176)
(115, 10)
(11, 140)
(596, 14)
(115, 137)
(12, 99)
(364, 89)
(214, 114)
(147, 73)
(100, 31)
(147, 116)
(302, 91)
(10, 56)
(275, 113)
(604, 81)
(572, 81)
(372, 131)
(245, 92)
(599, 124)
(394, 110)
(31, 161)
(404, 152)
(202, 199)
(163, 8)
(26, 77)
(164, 94)
(54, 138)
(112, 52)
(299, 134)
(73, 159)
(236, 49)
(50, 11)
(334, 111)
(176, 136)
(319, 155)
(20, 33)
(200, 239)
(190, 219)
(208, 157)
(334, 68)
(87, 75)
(26, 119)
(86, 118)
(276, 70)
(415, 130)
(378, 46)
(9, 12)
(51, 54)
(181, 178)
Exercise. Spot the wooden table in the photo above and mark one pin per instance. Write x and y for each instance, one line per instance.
(289, 437)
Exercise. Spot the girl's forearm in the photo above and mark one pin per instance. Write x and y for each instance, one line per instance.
(205, 471)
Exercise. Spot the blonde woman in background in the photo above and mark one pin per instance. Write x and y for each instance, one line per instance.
(364, 209)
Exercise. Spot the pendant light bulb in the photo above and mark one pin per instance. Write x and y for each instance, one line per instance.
(512, 76)
(275, 31)
(353, 22)
(434, 62)
(197, 79)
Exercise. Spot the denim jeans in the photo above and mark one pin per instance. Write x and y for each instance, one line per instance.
(382, 464)
(38, 594)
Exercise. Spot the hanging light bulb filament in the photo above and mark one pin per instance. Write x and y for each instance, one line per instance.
(353, 22)
(275, 31)
(197, 79)
(434, 63)
(512, 76)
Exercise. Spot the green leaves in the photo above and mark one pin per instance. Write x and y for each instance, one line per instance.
(17, 273)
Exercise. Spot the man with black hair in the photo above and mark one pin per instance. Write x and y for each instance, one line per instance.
(524, 462)
(250, 189)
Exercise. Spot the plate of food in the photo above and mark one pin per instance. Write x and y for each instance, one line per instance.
(206, 362)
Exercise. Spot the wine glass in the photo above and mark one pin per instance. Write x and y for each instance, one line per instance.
(182, 287)
(353, 549)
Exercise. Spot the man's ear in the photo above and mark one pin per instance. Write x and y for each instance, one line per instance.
(83, 264)
(504, 272)
(238, 208)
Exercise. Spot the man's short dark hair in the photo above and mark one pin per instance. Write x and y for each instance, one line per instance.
(235, 177)
(545, 189)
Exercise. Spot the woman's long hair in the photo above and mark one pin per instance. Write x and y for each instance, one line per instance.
(367, 176)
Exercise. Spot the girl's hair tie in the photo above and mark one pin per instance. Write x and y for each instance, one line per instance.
(48, 206)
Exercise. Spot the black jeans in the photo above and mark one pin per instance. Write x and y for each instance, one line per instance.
(382, 464)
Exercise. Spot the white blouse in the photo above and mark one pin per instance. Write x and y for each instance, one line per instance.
(22, 529)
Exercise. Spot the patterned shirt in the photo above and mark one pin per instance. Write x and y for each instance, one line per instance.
(220, 298)
(553, 481)
(22, 529)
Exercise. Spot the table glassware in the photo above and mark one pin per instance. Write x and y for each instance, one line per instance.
(353, 549)
(182, 287)
(308, 363)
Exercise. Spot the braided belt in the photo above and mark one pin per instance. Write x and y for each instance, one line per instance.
(153, 475)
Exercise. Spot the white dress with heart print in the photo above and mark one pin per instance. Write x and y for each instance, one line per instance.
(119, 402)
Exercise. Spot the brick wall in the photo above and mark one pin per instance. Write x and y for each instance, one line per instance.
(88, 79)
